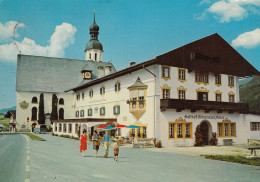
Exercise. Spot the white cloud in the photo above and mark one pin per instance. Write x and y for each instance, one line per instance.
(60, 39)
(248, 39)
(227, 11)
(8, 30)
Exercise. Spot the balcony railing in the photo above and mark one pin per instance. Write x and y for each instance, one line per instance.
(207, 106)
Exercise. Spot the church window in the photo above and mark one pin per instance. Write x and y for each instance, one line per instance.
(34, 100)
(61, 101)
(82, 95)
(60, 126)
(77, 114)
(165, 72)
(64, 127)
(34, 114)
(61, 113)
(82, 113)
(181, 74)
(78, 96)
(89, 55)
(231, 81)
(70, 128)
(218, 80)
(95, 56)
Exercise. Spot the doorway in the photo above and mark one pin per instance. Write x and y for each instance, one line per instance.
(204, 129)
(203, 96)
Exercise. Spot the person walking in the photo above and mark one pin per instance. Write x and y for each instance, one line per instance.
(83, 142)
(96, 142)
(106, 143)
(116, 151)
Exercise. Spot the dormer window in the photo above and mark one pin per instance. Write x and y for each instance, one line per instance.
(87, 74)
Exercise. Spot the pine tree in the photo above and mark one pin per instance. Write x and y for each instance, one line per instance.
(54, 110)
(41, 110)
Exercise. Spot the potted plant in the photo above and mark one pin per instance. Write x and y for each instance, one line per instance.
(213, 140)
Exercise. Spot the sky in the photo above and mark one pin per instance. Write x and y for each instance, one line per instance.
(130, 30)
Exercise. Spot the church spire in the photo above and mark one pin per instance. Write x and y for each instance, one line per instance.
(94, 48)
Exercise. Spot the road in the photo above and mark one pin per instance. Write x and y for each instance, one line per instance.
(13, 158)
(58, 159)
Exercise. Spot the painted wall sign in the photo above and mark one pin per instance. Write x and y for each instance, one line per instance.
(203, 117)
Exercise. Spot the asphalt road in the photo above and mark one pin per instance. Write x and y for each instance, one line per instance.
(13, 158)
(59, 159)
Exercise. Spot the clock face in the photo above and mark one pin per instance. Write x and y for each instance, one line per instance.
(87, 75)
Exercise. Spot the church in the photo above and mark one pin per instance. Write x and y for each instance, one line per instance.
(170, 97)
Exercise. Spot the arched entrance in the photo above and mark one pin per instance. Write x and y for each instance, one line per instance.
(206, 131)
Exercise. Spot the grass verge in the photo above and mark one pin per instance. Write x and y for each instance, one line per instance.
(235, 159)
(34, 137)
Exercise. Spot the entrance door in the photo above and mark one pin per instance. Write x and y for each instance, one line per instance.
(204, 129)
(202, 96)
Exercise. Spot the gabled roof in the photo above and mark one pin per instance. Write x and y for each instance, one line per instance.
(48, 74)
(10, 113)
(209, 54)
(138, 83)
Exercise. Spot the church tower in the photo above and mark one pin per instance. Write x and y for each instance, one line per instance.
(94, 48)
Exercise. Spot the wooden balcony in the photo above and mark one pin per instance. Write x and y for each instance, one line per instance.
(207, 106)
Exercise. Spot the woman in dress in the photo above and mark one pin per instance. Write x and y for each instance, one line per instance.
(83, 143)
(96, 142)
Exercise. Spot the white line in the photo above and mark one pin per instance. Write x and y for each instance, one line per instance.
(27, 168)
(27, 180)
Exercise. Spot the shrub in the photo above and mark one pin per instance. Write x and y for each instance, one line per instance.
(198, 137)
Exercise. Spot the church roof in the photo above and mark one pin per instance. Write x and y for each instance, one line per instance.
(49, 74)
(94, 44)
(10, 113)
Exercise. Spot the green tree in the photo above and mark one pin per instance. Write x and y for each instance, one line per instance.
(41, 110)
(54, 110)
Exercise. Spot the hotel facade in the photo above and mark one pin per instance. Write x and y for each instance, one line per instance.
(168, 97)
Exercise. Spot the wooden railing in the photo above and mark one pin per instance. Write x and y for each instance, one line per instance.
(208, 106)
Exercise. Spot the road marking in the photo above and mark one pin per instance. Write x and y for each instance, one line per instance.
(27, 180)
(28, 158)
(27, 168)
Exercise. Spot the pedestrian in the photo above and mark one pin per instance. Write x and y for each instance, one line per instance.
(83, 142)
(106, 143)
(96, 142)
(116, 151)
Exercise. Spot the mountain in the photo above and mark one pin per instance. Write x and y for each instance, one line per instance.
(244, 81)
(4, 110)
(250, 93)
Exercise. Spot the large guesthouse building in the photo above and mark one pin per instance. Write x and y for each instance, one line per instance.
(194, 87)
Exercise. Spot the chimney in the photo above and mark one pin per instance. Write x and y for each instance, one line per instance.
(132, 63)
(107, 70)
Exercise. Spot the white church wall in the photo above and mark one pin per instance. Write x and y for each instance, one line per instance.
(23, 114)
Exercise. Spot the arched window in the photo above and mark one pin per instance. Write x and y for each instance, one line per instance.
(34, 114)
(61, 101)
(34, 100)
(61, 113)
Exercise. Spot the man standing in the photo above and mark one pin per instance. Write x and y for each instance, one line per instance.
(106, 142)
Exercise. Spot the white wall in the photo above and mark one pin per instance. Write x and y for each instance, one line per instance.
(252, 134)
(22, 114)
(92, 52)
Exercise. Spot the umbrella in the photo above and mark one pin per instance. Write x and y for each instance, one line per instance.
(109, 128)
(120, 126)
(102, 126)
(132, 126)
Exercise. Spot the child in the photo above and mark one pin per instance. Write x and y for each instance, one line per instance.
(116, 151)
